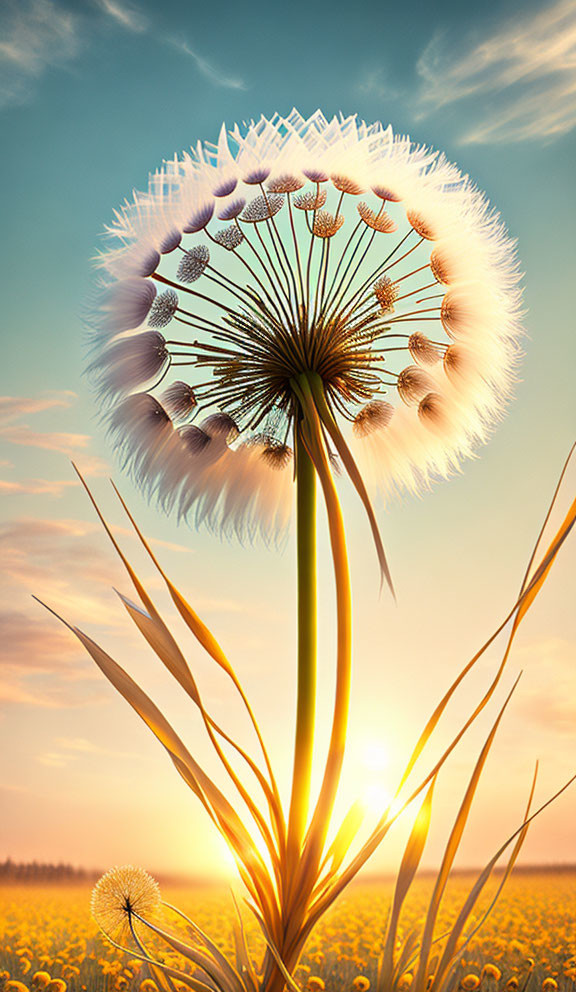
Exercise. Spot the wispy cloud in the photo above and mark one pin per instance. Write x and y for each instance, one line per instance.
(35, 36)
(206, 68)
(521, 77)
(66, 443)
(39, 35)
(126, 15)
(14, 407)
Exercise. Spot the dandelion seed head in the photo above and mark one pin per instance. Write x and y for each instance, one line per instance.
(374, 416)
(286, 183)
(326, 225)
(121, 893)
(413, 384)
(422, 349)
(229, 238)
(163, 309)
(345, 184)
(204, 417)
(263, 207)
(179, 400)
(232, 209)
(386, 293)
(311, 200)
(193, 264)
(381, 221)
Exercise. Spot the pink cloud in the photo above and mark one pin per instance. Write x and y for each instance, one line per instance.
(14, 407)
(66, 443)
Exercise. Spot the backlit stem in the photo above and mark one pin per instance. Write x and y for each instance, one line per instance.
(306, 705)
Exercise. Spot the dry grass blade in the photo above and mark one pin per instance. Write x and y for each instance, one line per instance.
(163, 647)
(522, 605)
(243, 959)
(158, 636)
(211, 797)
(450, 853)
(347, 831)
(211, 645)
(408, 868)
(163, 969)
(275, 954)
(452, 950)
(215, 951)
(218, 970)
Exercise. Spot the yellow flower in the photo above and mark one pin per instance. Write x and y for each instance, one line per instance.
(470, 982)
(361, 983)
(492, 972)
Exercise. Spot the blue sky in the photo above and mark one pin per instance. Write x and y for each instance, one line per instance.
(92, 97)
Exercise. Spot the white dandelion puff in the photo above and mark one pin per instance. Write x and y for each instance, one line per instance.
(301, 281)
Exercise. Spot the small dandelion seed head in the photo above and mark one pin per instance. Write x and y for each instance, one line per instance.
(420, 225)
(194, 438)
(326, 225)
(413, 383)
(225, 187)
(257, 176)
(119, 894)
(199, 218)
(170, 242)
(193, 263)
(312, 200)
(262, 207)
(286, 183)
(179, 400)
(229, 237)
(423, 350)
(386, 292)
(128, 363)
(221, 425)
(432, 412)
(233, 209)
(373, 417)
(345, 184)
(277, 456)
(316, 175)
(381, 222)
(440, 266)
(385, 193)
(163, 309)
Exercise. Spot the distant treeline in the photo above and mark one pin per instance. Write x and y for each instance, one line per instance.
(37, 871)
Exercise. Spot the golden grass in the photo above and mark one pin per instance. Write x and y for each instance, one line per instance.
(530, 937)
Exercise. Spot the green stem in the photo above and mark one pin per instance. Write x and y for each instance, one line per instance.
(306, 706)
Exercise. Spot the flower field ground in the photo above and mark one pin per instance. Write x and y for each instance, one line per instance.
(49, 942)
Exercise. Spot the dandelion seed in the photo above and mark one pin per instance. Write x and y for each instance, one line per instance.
(386, 293)
(423, 350)
(326, 225)
(311, 200)
(179, 400)
(193, 264)
(163, 309)
(377, 221)
(263, 207)
(374, 416)
(120, 896)
(229, 238)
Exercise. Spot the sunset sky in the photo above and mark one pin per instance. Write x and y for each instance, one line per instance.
(93, 96)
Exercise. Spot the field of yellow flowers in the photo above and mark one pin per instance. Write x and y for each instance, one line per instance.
(48, 942)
